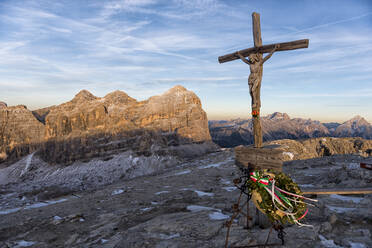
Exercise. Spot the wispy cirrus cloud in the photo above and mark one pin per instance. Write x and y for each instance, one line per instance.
(147, 46)
(328, 24)
(176, 9)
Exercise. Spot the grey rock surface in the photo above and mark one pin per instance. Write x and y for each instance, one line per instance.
(184, 205)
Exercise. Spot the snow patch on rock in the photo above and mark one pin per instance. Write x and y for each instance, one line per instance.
(170, 236)
(229, 189)
(225, 181)
(117, 192)
(356, 245)
(28, 163)
(197, 208)
(161, 192)
(182, 172)
(24, 243)
(218, 216)
(328, 243)
(202, 193)
(35, 205)
(146, 209)
(216, 165)
(9, 211)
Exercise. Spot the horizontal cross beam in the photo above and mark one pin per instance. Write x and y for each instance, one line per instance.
(285, 46)
(350, 191)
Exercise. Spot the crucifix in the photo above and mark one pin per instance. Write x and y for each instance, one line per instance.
(255, 62)
(257, 157)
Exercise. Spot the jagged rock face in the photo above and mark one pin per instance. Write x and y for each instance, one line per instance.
(278, 116)
(177, 111)
(355, 127)
(331, 126)
(280, 126)
(275, 126)
(40, 114)
(19, 126)
(82, 113)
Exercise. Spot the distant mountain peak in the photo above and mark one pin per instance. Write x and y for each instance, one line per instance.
(176, 92)
(177, 88)
(119, 96)
(116, 93)
(278, 116)
(84, 95)
(355, 127)
(357, 119)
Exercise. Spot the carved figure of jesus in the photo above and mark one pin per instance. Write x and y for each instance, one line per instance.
(255, 63)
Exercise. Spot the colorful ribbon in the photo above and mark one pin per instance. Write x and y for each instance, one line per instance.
(278, 196)
(267, 184)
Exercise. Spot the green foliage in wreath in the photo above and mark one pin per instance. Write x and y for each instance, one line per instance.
(283, 182)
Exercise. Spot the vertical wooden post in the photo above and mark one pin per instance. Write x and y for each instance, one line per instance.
(256, 29)
(257, 130)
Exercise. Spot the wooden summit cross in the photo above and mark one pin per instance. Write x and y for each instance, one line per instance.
(256, 66)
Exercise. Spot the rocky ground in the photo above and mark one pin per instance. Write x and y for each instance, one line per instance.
(184, 204)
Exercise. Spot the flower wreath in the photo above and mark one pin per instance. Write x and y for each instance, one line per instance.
(277, 196)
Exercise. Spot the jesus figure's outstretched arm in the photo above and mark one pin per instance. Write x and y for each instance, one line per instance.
(270, 54)
(243, 58)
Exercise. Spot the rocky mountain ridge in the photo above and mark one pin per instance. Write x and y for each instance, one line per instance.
(322, 147)
(280, 126)
(177, 113)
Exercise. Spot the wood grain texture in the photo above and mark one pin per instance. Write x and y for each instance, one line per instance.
(256, 29)
(351, 191)
(259, 158)
(257, 132)
(284, 46)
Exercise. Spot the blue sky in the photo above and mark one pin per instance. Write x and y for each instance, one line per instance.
(50, 50)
